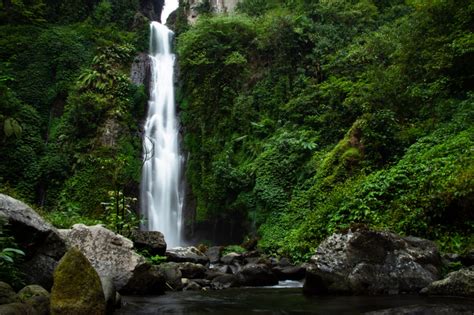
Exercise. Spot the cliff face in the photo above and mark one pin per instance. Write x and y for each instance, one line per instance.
(152, 9)
(194, 7)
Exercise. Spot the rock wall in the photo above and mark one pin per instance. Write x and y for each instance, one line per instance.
(217, 6)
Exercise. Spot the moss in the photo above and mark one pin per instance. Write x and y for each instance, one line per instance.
(77, 288)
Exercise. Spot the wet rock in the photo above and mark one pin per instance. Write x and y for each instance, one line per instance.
(187, 254)
(257, 275)
(172, 275)
(41, 242)
(146, 279)
(290, 272)
(77, 288)
(457, 283)
(192, 286)
(467, 259)
(141, 67)
(214, 254)
(231, 258)
(222, 268)
(224, 281)
(192, 271)
(369, 262)
(151, 241)
(111, 254)
(7, 294)
(203, 282)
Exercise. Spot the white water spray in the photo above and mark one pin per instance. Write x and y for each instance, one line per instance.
(161, 195)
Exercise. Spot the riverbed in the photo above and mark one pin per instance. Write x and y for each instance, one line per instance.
(278, 300)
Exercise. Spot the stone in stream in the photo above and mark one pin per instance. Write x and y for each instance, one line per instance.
(187, 254)
(77, 288)
(370, 262)
(39, 240)
(456, 283)
(172, 275)
(257, 275)
(289, 272)
(224, 281)
(146, 279)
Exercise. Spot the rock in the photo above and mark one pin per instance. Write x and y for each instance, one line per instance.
(151, 9)
(7, 294)
(110, 292)
(257, 275)
(192, 286)
(289, 272)
(284, 262)
(212, 274)
(369, 262)
(457, 283)
(146, 279)
(203, 282)
(111, 254)
(172, 275)
(214, 254)
(224, 281)
(231, 258)
(187, 254)
(36, 297)
(141, 67)
(151, 241)
(77, 288)
(191, 271)
(222, 268)
(39, 240)
(467, 259)
(17, 309)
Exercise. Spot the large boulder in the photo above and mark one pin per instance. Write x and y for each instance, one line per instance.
(231, 258)
(111, 254)
(289, 272)
(151, 241)
(191, 270)
(187, 254)
(369, 262)
(456, 283)
(77, 288)
(257, 275)
(40, 240)
(224, 281)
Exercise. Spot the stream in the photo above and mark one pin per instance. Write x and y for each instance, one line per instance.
(284, 299)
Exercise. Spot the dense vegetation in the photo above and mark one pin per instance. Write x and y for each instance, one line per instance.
(68, 111)
(300, 117)
(308, 116)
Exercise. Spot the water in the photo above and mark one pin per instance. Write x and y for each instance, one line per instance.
(264, 301)
(169, 7)
(161, 195)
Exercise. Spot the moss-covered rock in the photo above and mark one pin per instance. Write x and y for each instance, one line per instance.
(77, 288)
(37, 297)
(7, 295)
(16, 309)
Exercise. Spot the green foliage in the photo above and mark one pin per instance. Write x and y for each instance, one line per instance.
(233, 249)
(152, 259)
(10, 256)
(315, 115)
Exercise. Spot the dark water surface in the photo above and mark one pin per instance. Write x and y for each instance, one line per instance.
(289, 301)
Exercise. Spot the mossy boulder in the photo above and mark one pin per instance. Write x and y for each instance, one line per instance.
(77, 288)
(37, 297)
(16, 309)
(7, 295)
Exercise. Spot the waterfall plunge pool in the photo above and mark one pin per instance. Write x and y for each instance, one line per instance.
(273, 300)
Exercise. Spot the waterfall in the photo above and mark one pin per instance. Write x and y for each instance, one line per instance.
(161, 193)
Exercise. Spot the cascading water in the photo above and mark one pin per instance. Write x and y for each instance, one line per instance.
(161, 195)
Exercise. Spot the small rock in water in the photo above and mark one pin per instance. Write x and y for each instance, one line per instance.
(457, 283)
(187, 254)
